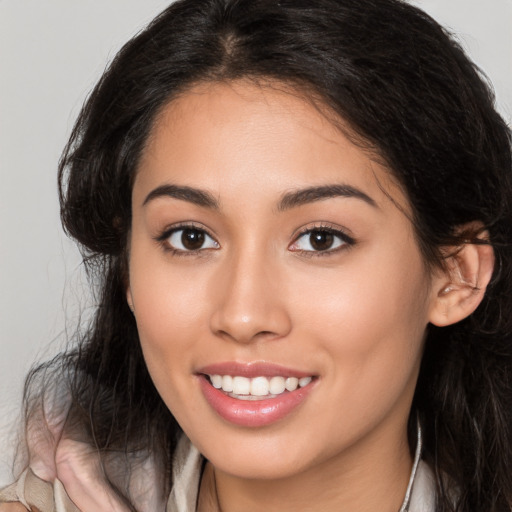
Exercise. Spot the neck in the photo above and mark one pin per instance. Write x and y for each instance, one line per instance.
(370, 476)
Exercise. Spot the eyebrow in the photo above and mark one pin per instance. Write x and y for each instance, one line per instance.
(311, 194)
(192, 195)
(288, 201)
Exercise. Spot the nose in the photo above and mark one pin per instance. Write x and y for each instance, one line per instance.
(250, 304)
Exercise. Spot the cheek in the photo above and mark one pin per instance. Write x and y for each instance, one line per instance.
(170, 310)
(169, 299)
(370, 326)
(170, 329)
(367, 295)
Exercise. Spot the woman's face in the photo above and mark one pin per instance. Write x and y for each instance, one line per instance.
(268, 256)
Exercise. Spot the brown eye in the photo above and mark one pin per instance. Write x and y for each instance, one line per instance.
(190, 239)
(321, 240)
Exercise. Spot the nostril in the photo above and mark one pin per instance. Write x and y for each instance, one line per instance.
(266, 333)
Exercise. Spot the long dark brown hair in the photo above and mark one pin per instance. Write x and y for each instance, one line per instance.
(411, 96)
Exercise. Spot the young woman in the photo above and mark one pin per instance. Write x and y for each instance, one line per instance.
(298, 219)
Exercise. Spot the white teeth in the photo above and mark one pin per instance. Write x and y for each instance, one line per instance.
(277, 385)
(227, 383)
(292, 383)
(241, 385)
(304, 381)
(246, 388)
(260, 386)
(216, 381)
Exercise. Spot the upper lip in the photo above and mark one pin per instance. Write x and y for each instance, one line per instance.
(251, 370)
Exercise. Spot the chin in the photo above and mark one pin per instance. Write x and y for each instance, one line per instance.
(260, 454)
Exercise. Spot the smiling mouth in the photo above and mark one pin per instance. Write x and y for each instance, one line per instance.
(257, 388)
(254, 395)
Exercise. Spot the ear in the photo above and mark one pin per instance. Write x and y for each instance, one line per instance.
(459, 288)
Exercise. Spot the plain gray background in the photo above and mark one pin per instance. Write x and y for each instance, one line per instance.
(51, 54)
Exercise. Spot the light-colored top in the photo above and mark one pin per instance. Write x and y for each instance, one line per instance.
(33, 491)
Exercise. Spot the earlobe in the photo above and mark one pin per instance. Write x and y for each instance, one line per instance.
(458, 290)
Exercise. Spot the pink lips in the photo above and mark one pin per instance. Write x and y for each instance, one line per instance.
(257, 413)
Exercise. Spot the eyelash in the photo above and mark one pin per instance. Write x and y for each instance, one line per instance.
(345, 240)
(163, 239)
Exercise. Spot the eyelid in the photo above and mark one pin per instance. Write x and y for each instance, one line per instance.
(190, 224)
(336, 230)
(168, 231)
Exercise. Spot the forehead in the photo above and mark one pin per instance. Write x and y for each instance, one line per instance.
(240, 134)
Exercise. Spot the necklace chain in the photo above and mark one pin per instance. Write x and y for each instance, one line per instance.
(417, 458)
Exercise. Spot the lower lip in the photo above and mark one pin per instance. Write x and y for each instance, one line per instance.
(253, 413)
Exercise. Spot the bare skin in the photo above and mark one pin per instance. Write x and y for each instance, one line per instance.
(255, 289)
(12, 507)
